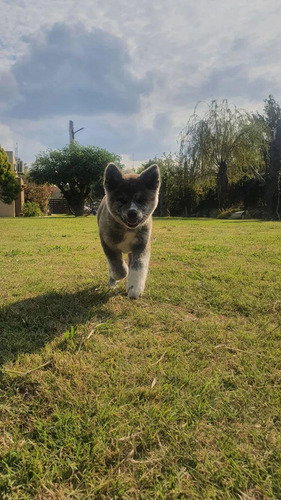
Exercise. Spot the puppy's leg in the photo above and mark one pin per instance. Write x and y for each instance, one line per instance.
(118, 269)
(138, 267)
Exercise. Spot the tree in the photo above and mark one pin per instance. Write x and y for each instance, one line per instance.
(177, 194)
(76, 170)
(221, 145)
(271, 119)
(167, 165)
(9, 185)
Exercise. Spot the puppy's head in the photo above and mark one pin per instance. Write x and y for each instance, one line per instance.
(131, 198)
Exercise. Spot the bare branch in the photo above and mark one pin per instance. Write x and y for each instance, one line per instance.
(257, 175)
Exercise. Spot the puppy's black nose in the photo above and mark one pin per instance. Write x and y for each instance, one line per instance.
(132, 214)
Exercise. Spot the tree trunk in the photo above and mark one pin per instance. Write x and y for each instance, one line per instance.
(184, 188)
(272, 194)
(162, 204)
(76, 204)
(222, 185)
(272, 176)
(75, 201)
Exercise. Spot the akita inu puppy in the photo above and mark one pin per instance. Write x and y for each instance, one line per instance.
(125, 222)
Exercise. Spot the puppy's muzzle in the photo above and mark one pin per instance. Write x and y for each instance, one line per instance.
(132, 217)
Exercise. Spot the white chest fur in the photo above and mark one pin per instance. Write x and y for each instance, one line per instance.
(126, 244)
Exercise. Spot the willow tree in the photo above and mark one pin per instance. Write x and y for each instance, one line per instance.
(222, 144)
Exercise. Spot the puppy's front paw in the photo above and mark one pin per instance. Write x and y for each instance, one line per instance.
(112, 283)
(134, 291)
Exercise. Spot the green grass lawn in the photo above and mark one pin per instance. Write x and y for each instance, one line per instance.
(176, 395)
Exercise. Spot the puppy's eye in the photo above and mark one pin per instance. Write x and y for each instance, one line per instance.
(123, 200)
(140, 200)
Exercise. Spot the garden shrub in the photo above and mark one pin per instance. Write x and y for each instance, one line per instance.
(31, 209)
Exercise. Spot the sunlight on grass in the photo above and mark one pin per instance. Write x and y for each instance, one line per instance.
(176, 395)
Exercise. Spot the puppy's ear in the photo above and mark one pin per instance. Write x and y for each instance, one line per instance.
(112, 177)
(151, 177)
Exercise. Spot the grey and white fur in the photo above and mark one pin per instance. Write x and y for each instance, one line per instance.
(125, 223)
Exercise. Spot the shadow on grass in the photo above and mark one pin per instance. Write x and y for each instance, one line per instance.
(26, 326)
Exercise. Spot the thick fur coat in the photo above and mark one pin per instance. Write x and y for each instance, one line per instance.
(125, 222)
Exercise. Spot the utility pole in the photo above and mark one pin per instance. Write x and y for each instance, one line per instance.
(71, 131)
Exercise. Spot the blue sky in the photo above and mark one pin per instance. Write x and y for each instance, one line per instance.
(130, 72)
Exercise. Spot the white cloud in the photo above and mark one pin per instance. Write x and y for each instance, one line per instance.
(6, 138)
(73, 70)
(190, 51)
(27, 146)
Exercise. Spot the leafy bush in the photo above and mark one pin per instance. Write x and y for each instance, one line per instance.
(39, 194)
(31, 209)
